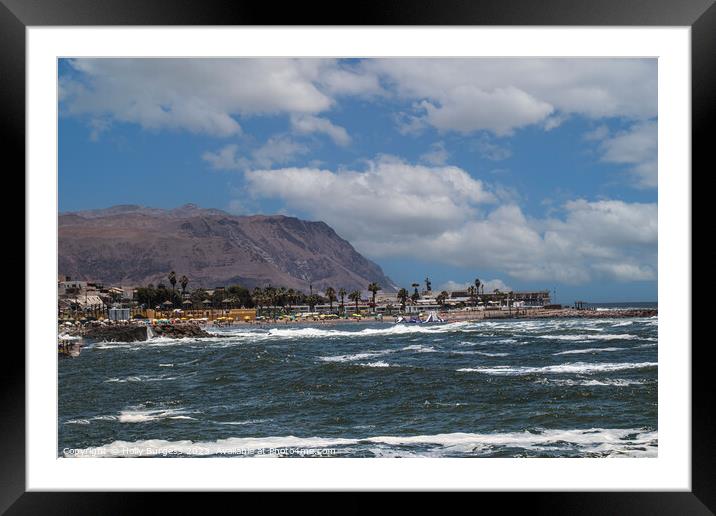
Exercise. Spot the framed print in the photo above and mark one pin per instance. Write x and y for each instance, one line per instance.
(438, 249)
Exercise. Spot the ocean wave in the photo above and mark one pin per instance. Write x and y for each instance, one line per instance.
(568, 368)
(376, 364)
(585, 338)
(594, 441)
(149, 378)
(587, 350)
(87, 421)
(419, 348)
(615, 382)
(483, 353)
(144, 416)
(353, 357)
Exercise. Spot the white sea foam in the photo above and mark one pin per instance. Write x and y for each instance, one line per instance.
(356, 356)
(587, 350)
(148, 378)
(144, 416)
(419, 348)
(483, 353)
(398, 329)
(615, 382)
(594, 441)
(87, 421)
(568, 368)
(376, 364)
(585, 338)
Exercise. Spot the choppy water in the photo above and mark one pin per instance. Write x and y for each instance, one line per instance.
(516, 388)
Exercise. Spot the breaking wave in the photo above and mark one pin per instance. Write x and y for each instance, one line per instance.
(568, 368)
(590, 442)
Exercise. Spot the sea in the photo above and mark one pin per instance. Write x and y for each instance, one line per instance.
(492, 388)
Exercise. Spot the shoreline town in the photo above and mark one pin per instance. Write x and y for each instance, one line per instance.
(88, 310)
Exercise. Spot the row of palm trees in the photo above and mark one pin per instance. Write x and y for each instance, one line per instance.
(280, 297)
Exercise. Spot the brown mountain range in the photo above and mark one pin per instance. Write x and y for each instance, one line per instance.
(134, 245)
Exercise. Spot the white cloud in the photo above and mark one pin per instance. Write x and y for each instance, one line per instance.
(395, 209)
(437, 155)
(636, 147)
(279, 149)
(306, 124)
(198, 95)
(224, 159)
(468, 109)
(500, 95)
(390, 198)
(463, 95)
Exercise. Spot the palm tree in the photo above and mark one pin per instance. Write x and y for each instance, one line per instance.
(403, 298)
(290, 298)
(183, 281)
(374, 288)
(258, 299)
(331, 295)
(342, 294)
(478, 283)
(442, 297)
(355, 296)
(313, 300)
(173, 279)
(415, 286)
(472, 292)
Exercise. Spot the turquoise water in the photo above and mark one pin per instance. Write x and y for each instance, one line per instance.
(512, 388)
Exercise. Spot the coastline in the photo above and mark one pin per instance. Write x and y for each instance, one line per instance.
(477, 315)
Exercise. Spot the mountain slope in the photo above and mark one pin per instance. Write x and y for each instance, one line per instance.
(133, 245)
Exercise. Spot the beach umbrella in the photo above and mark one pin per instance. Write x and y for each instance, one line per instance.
(206, 302)
(186, 302)
(168, 303)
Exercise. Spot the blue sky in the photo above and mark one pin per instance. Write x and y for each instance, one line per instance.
(525, 173)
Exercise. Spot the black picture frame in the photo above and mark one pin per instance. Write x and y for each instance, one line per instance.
(16, 15)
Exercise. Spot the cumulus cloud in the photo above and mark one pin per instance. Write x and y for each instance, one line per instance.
(198, 95)
(306, 124)
(462, 95)
(390, 198)
(501, 95)
(442, 214)
(278, 149)
(437, 155)
(637, 148)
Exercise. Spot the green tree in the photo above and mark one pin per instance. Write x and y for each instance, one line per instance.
(173, 279)
(403, 298)
(331, 296)
(472, 292)
(442, 297)
(374, 288)
(355, 296)
(183, 281)
(342, 294)
(257, 296)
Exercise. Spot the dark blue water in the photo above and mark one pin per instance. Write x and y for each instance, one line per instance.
(514, 388)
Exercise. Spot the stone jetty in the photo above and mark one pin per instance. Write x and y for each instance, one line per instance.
(135, 332)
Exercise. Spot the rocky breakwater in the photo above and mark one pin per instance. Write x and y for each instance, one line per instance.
(133, 332)
(180, 331)
(593, 314)
(116, 333)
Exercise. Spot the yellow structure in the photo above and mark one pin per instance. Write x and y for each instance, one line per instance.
(242, 314)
